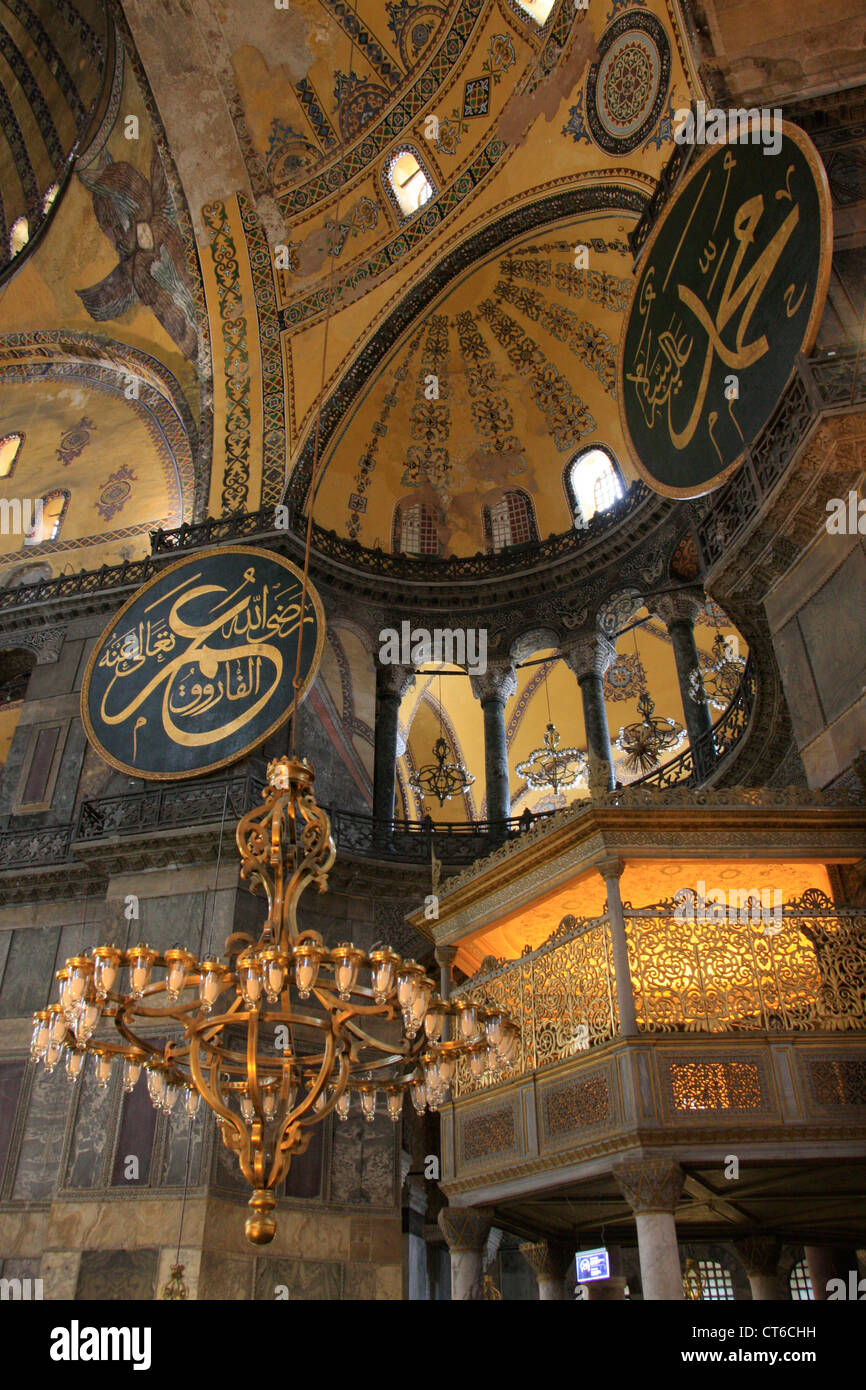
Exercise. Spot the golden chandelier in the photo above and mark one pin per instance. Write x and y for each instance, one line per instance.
(279, 1031)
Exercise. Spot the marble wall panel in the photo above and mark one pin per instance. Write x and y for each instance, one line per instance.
(169, 921)
(28, 980)
(306, 1280)
(137, 1129)
(39, 1155)
(183, 1141)
(362, 1160)
(832, 627)
(225, 1276)
(227, 1174)
(5, 943)
(11, 1076)
(117, 1275)
(92, 1129)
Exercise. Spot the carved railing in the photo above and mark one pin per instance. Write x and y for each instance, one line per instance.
(698, 762)
(826, 383)
(168, 807)
(23, 849)
(696, 968)
(244, 525)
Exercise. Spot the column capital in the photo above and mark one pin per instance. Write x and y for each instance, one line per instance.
(394, 680)
(589, 653)
(650, 1184)
(611, 868)
(759, 1254)
(465, 1228)
(683, 606)
(445, 955)
(548, 1259)
(499, 682)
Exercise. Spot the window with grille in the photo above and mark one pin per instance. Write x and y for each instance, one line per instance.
(594, 484)
(799, 1284)
(716, 1282)
(410, 184)
(47, 528)
(510, 521)
(10, 447)
(417, 530)
(539, 10)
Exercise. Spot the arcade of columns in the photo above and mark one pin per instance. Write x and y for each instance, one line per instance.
(589, 656)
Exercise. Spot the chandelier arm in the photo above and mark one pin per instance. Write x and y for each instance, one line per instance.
(213, 1098)
(252, 1021)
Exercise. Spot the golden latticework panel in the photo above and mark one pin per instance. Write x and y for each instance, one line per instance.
(716, 1086)
(562, 996)
(797, 972)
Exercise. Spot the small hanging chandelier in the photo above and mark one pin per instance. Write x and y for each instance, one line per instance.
(443, 778)
(719, 682)
(647, 738)
(551, 767)
(278, 1031)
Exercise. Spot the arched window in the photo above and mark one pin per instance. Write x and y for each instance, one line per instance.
(593, 483)
(510, 521)
(799, 1284)
(539, 10)
(408, 182)
(415, 530)
(19, 235)
(10, 448)
(47, 527)
(708, 1280)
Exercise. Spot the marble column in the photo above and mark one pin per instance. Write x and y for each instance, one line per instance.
(760, 1257)
(589, 656)
(678, 612)
(445, 957)
(466, 1230)
(392, 682)
(493, 689)
(652, 1188)
(550, 1262)
(611, 871)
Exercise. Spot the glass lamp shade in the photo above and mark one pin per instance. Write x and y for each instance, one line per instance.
(308, 958)
(74, 1062)
(321, 1100)
(409, 978)
(103, 1069)
(467, 1015)
(421, 1002)
(52, 1056)
(178, 964)
(434, 1023)
(41, 1035)
(57, 1024)
(170, 1095)
(80, 975)
(432, 1074)
(269, 1101)
(478, 1062)
(248, 1110)
(447, 1068)
(494, 1028)
(250, 981)
(212, 974)
(155, 1085)
(342, 1105)
(85, 1020)
(139, 960)
(346, 960)
(193, 1100)
(395, 1105)
(131, 1071)
(383, 970)
(64, 995)
(418, 1093)
(275, 967)
(368, 1105)
(106, 965)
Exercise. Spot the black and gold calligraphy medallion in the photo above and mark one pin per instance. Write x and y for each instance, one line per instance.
(730, 290)
(198, 667)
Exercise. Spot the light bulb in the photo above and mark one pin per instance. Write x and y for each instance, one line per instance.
(85, 1020)
(193, 1100)
(478, 1062)
(80, 974)
(275, 965)
(383, 971)
(41, 1035)
(434, 1023)
(419, 1097)
(212, 974)
(468, 1021)
(170, 1095)
(52, 1056)
(248, 1110)
(155, 1085)
(346, 959)
(58, 1023)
